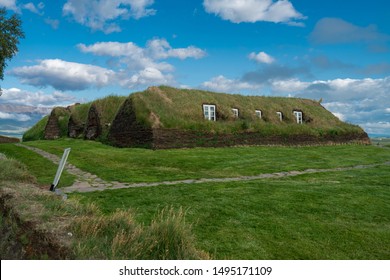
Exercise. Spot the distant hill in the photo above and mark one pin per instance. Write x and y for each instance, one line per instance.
(166, 117)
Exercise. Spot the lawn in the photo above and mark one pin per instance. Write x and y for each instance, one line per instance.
(338, 215)
(333, 215)
(41, 168)
(143, 165)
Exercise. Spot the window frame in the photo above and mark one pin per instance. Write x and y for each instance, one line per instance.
(210, 116)
(259, 114)
(236, 112)
(280, 115)
(298, 116)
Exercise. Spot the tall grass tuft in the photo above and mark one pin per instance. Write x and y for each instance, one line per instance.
(12, 170)
(119, 236)
(169, 237)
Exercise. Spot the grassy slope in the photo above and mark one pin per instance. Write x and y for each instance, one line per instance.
(142, 165)
(178, 108)
(37, 132)
(342, 215)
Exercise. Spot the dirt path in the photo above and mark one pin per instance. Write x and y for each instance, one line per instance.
(87, 182)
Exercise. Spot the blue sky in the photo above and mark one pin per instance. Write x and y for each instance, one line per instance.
(80, 50)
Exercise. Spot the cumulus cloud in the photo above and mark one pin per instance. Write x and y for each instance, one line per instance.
(281, 11)
(64, 75)
(360, 101)
(155, 49)
(114, 49)
(336, 31)
(143, 65)
(38, 99)
(223, 84)
(161, 49)
(147, 76)
(101, 14)
(261, 57)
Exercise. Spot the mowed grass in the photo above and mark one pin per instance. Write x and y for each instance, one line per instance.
(143, 165)
(335, 215)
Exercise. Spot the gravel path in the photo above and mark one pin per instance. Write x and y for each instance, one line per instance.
(87, 182)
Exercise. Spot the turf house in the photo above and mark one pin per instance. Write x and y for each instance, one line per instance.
(165, 117)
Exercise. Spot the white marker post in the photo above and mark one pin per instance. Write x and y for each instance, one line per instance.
(60, 169)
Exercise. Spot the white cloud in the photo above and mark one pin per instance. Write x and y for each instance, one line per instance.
(223, 84)
(64, 75)
(261, 57)
(114, 49)
(9, 4)
(254, 10)
(147, 76)
(155, 49)
(101, 14)
(289, 86)
(161, 49)
(16, 117)
(377, 127)
(143, 65)
(35, 9)
(32, 102)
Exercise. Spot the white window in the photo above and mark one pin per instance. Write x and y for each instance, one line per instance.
(298, 116)
(280, 115)
(209, 112)
(258, 114)
(235, 112)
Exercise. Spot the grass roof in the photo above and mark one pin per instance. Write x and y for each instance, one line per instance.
(168, 107)
(107, 109)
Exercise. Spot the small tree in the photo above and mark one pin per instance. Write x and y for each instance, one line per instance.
(10, 33)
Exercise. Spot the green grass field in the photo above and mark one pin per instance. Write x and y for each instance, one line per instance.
(332, 215)
(42, 169)
(342, 215)
(143, 165)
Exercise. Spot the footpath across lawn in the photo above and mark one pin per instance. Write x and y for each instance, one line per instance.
(143, 165)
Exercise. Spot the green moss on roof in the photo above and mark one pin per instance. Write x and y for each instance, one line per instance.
(169, 107)
(79, 112)
(108, 107)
